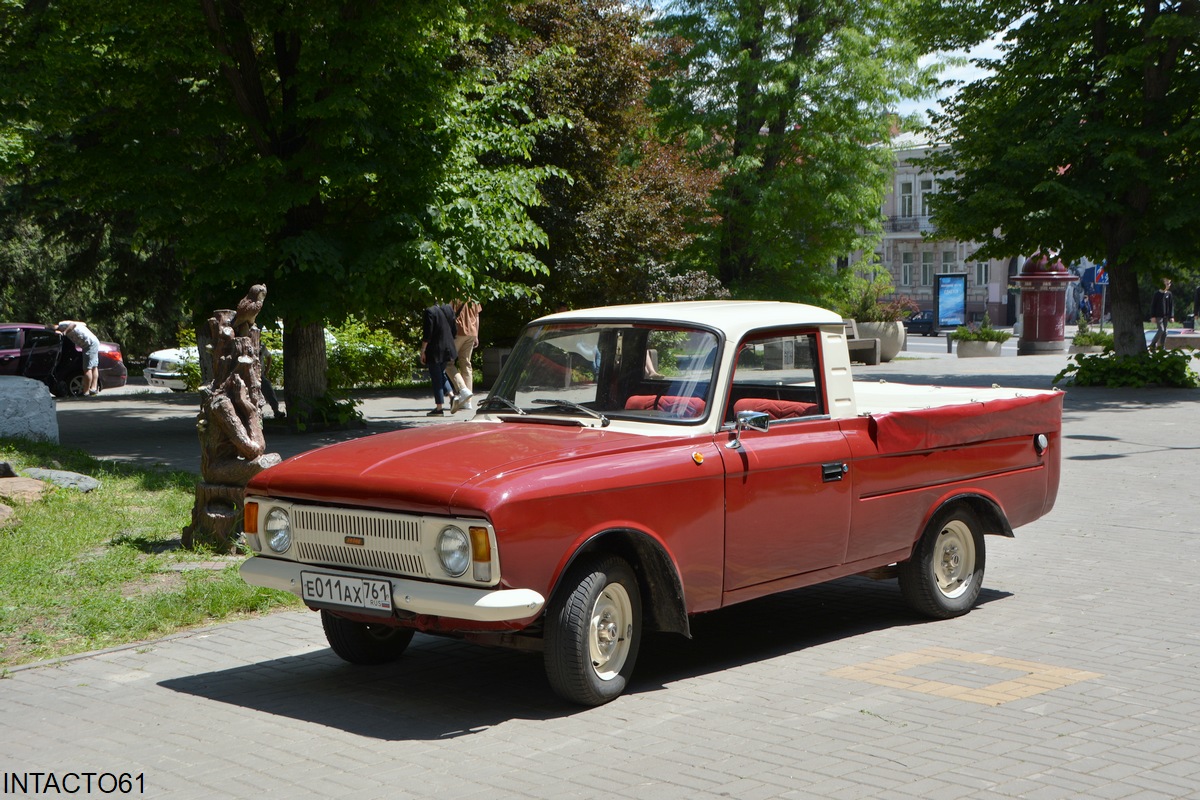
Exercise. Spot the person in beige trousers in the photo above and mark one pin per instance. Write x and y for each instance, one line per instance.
(466, 318)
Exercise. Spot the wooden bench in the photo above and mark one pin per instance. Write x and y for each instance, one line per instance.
(864, 351)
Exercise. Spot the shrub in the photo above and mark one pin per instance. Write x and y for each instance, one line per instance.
(189, 368)
(331, 412)
(984, 332)
(361, 357)
(1157, 368)
(1093, 339)
(861, 294)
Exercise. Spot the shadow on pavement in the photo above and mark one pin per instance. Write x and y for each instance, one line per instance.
(780, 624)
(444, 688)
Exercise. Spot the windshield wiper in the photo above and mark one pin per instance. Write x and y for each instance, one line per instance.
(567, 404)
(502, 401)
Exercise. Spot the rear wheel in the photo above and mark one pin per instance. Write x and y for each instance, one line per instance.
(593, 632)
(76, 386)
(364, 643)
(943, 577)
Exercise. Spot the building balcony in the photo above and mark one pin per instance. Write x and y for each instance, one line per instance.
(908, 225)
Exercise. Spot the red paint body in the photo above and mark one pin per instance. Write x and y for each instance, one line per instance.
(735, 523)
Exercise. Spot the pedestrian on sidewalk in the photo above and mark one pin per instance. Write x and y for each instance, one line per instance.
(1162, 311)
(466, 321)
(437, 350)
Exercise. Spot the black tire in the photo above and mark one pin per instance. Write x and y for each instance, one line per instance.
(943, 577)
(593, 632)
(75, 386)
(364, 643)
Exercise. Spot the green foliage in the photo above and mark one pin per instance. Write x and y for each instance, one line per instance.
(790, 102)
(619, 229)
(984, 332)
(863, 294)
(189, 368)
(349, 157)
(361, 357)
(1081, 138)
(1085, 336)
(81, 572)
(1153, 368)
(56, 266)
(331, 411)
(273, 340)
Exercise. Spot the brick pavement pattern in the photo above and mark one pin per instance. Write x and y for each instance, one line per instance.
(1094, 606)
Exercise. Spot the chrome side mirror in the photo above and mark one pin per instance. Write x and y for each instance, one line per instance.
(748, 420)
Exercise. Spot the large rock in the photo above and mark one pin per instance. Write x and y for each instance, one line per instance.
(64, 479)
(23, 490)
(29, 410)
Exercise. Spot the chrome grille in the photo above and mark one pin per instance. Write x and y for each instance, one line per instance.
(391, 542)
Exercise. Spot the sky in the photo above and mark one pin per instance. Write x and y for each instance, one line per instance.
(963, 72)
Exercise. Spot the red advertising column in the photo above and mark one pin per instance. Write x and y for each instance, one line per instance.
(1043, 305)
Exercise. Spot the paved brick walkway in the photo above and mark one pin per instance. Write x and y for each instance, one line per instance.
(1078, 676)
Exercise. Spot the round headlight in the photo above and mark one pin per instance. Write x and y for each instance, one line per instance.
(278, 529)
(454, 550)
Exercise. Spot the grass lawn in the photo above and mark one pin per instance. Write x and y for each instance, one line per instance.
(81, 572)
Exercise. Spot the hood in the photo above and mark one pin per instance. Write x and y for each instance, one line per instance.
(421, 469)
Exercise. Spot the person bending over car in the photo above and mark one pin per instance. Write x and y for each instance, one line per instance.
(89, 343)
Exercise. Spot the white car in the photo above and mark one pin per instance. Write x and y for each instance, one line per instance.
(163, 367)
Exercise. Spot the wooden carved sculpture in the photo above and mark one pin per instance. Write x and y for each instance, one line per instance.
(232, 447)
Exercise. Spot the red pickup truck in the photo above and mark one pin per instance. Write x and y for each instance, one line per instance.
(634, 466)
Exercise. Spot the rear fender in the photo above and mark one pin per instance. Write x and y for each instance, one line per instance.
(986, 509)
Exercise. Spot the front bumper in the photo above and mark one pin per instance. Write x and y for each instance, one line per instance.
(164, 380)
(415, 597)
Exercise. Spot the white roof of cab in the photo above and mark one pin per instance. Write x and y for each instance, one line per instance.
(734, 317)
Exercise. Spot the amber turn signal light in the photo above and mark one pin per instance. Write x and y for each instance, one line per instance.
(250, 518)
(481, 548)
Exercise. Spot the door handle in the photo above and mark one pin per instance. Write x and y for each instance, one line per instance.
(834, 472)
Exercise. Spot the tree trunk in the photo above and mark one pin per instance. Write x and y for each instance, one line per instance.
(304, 367)
(1129, 336)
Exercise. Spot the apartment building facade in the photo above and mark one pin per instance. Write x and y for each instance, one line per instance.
(914, 254)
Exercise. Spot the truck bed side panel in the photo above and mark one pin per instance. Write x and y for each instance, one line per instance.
(907, 463)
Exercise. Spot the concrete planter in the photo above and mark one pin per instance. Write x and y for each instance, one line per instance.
(978, 349)
(890, 335)
(1085, 348)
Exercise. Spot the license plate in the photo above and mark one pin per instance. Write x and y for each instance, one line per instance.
(371, 594)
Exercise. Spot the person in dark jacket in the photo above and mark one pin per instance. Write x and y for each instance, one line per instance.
(1162, 311)
(437, 350)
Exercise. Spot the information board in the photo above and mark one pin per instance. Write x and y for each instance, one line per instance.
(952, 300)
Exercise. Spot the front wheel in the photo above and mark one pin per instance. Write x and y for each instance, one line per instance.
(364, 643)
(593, 631)
(943, 577)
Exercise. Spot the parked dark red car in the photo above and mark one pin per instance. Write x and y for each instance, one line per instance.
(33, 351)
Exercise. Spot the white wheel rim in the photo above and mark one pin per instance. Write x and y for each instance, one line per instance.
(611, 631)
(954, 559)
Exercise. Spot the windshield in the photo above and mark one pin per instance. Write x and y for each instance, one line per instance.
(609, 371)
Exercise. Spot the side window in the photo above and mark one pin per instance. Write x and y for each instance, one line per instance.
(778, 375)
(8, 340)
(35, 339)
